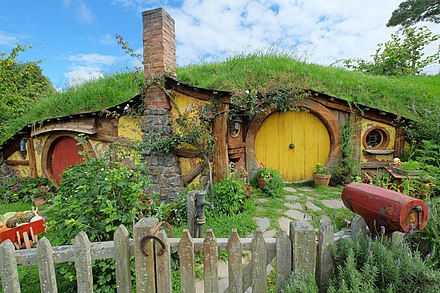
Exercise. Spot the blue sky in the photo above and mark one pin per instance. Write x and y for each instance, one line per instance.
(75, 39)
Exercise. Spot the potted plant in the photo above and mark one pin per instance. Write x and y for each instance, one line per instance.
(264, 175)
(322, 175)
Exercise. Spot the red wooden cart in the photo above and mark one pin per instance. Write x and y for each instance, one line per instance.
(23, 235)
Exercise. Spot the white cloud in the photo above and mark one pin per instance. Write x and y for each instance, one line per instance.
(93, 58)
(81, 74)
(7, 39)
(82, 10)
(107, 39)
(88, 66)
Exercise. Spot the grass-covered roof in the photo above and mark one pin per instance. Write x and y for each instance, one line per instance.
(399, 95)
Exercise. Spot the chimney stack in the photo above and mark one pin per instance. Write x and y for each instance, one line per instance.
(159, 41)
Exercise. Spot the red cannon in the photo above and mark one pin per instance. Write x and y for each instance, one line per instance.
(383, 207)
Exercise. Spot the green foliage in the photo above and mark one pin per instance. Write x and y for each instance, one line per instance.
(410, 165)
(25, 189)
(410, 12)
(229, 194)
(427, 241)
(21, 84)
(273, 182)
(402, 55)
(347, 168)
(299, 282)
(378, 266)
(97, 196)
(320, 169)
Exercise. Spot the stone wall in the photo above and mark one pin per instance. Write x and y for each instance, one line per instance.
(164, 170)
(5, 170)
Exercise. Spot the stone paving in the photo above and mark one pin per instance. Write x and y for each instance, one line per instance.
(296, 209)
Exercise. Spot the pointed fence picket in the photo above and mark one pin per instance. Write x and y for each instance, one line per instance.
(153, 261)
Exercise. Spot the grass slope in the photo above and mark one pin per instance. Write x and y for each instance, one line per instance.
(401, 95)
(91, 96)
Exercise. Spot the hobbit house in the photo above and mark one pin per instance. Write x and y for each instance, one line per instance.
(292, 142)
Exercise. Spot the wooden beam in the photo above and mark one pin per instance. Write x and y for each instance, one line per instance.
(17, 162)
(188, 178)
(32, 159)
(83, 125)
(186, 153)
(220, 131)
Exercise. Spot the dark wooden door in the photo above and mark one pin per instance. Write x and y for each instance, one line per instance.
(64, 155)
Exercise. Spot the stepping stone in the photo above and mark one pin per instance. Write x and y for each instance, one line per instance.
(296, 206)
(312, 206)
(294, 214)
(306, 188)
(263, 223)
(291, 197)
(270, 233)
(284, 224)
(333, 203)
(261, 199)
(290, 189)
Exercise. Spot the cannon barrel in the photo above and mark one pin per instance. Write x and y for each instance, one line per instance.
(383, 207)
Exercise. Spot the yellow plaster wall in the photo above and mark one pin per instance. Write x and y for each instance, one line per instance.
(38, 147)
(183, 102)
(130, 127)
(391, 132)
(22, 170)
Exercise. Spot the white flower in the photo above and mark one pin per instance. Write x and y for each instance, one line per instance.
(247, 92)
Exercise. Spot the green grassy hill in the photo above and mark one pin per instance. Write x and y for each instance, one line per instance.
(400, 95)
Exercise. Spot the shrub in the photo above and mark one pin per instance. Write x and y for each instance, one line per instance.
(97, 196)
(273, 182)
(229, 194)
(377, 266)
(299, 282)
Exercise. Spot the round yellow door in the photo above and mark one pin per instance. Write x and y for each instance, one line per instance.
(292, 143)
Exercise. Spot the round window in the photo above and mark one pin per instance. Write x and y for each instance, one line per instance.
(375, 138)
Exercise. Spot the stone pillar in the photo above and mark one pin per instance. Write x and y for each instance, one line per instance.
(5, 170)
(325, 268)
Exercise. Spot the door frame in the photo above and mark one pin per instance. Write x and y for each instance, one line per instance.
(317, 109)
(47, 151)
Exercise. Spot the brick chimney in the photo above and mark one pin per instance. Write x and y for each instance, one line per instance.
(159, 40)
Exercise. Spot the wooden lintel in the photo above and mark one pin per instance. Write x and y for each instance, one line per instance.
(17, 162)
(374, 165)
(84, 125)
(109, 138)
(186, 153)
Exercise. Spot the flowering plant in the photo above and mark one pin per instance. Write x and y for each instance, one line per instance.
(319, 169)
(264, 172)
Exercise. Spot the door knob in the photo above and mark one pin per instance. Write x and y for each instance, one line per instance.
(291, 146)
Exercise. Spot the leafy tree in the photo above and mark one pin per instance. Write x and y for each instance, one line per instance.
(413, 11)
(402, 55)
(20, 85)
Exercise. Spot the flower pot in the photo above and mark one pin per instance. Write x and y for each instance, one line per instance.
(39, 201)
(321, 179)
(262, 181)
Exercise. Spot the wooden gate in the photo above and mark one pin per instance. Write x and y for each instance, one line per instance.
(293, 143)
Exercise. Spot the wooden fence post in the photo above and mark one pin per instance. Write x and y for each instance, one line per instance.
(325, 261)
(210, 249)
(8, 267)
(145, 275)
(302, 235)
(358, 228)
(284, 260)
(163, 265)
(46, 266)
(122, 259)
(191, 212)
(83, 263)
(259, 263)
(235, 265)
(187, 272)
